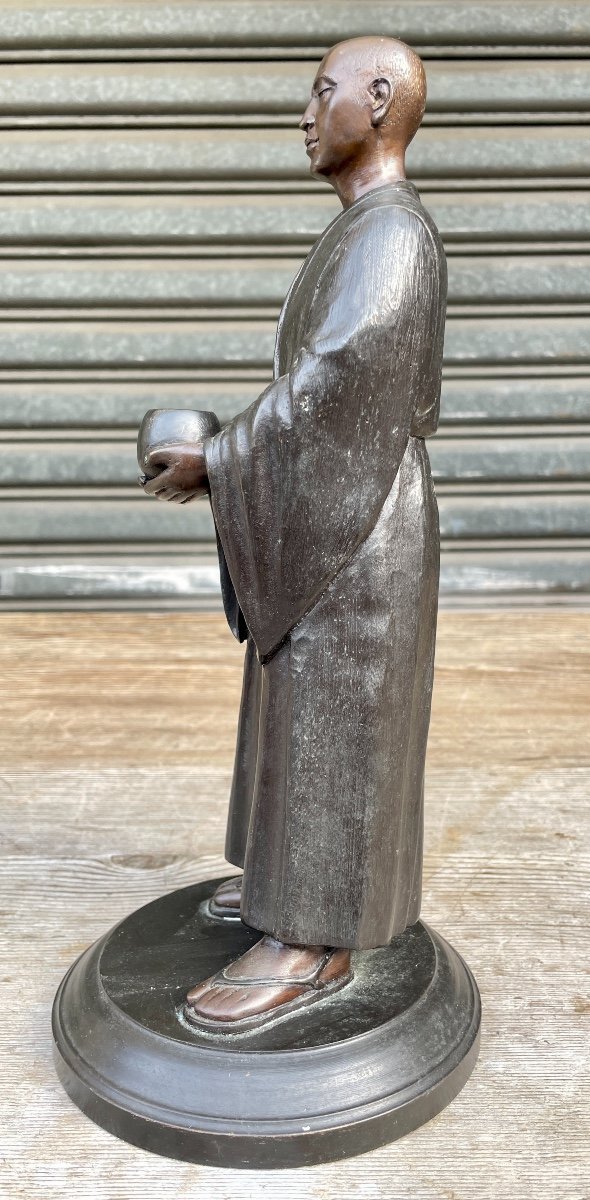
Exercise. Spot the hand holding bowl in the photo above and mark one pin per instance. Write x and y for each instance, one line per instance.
(170, 453)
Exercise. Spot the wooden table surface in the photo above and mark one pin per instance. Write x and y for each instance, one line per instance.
(116, 744)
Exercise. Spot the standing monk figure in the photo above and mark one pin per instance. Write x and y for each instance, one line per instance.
(328, 532)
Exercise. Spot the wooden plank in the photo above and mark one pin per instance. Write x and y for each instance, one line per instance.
(551, 457)
(142, 344)
(242, 156)
(501, 401)
(88, 90)
(235, 282)
(463, 515)
(547, 653)
(255, 220)
(67, 23)
(93, 803)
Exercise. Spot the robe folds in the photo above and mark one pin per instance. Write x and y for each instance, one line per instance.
(327, 526)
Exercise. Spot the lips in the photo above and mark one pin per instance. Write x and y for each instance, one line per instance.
(311, 144)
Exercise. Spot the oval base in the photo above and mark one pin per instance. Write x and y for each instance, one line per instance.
(352, 1072)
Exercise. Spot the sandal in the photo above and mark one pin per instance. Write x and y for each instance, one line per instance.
(324, 980)
(224, 912)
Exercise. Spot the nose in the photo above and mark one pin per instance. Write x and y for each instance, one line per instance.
(307, 119)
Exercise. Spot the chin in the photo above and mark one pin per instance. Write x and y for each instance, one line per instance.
(319, 168)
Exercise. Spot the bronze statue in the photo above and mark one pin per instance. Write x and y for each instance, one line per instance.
(329, 1019)
(327, 523)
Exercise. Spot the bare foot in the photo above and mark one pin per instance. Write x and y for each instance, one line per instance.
(269, 979)
(226, 899)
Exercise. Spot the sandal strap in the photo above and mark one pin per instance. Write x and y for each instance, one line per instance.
(310, 981)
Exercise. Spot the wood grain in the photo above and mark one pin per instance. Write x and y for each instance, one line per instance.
(116, 746)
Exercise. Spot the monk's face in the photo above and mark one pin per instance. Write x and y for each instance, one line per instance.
(338, 119)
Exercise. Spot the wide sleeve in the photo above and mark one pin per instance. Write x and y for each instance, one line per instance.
(298, 480)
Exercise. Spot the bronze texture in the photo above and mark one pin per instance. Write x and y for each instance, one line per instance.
(328, 533)
(328, 540)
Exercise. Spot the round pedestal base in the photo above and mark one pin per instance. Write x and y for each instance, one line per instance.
(356, 1070)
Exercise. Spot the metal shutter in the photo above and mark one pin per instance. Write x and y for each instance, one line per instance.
(154, 206)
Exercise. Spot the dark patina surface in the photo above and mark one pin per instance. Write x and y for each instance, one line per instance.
(330, 1019)
(363, 1067)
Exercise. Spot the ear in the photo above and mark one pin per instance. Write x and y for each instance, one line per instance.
(382, 97)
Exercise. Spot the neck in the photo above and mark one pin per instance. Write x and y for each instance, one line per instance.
(354, 180)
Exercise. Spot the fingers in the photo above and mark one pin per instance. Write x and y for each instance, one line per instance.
(168, 493)
(162, 487)
(161, 491)
(152, 486)
(188, 496)
(160, 456)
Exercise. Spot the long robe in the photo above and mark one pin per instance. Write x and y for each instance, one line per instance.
(328, 532)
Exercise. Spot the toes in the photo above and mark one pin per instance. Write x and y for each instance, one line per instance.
(223, 1003)
(228, 895)
(215, 1001)
(199, 991)
(228, 900)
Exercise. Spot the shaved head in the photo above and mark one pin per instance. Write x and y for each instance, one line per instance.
(367, 101)
(387, 58)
